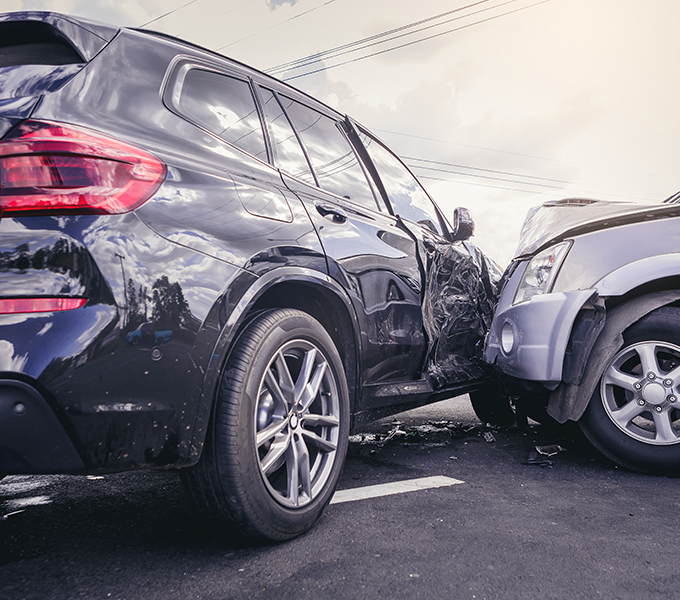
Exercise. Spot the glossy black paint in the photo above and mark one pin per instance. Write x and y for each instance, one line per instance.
(227, 235)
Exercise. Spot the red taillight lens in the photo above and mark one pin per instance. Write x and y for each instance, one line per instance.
(49, 168)
(34, 305)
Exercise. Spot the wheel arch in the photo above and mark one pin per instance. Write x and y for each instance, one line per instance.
(287, 287)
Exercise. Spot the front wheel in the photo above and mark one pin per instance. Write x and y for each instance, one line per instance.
(279, 431)
(492, 406)
(634, 414)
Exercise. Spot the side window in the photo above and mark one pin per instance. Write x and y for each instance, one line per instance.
(224, 106)
(409, 200)
(289, 155)
(333, 159)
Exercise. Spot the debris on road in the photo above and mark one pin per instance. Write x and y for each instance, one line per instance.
(488, 437)
(550, 450)
(535, 459)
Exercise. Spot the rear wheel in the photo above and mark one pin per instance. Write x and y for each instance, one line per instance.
(634, 414)
(279, 431)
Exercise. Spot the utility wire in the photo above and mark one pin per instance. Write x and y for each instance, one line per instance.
(333, 54)
(276, 25)
(319, 55)
(419, 137)
(430, 37)
(556, 187)
(457, 166)
(167, 13)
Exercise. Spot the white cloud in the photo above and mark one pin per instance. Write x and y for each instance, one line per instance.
(274, 4)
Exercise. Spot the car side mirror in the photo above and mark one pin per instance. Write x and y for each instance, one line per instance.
(463, 224)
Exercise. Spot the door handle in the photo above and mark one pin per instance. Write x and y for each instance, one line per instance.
(332, 213)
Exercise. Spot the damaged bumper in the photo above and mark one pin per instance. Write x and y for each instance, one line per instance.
(529, 340)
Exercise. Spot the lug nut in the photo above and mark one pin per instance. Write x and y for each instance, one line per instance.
(658, 408)
(668, 382)
(672, 399)
(637, 386)
(641, 402)
(651, 376)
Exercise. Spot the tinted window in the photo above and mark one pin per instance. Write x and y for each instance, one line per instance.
(289, 155)
(409, 200)
(224, 106)
(333, 159)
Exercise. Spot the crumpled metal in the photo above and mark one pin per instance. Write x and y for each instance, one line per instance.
(460, 296)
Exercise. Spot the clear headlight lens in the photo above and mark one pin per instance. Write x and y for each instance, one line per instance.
(541, 272)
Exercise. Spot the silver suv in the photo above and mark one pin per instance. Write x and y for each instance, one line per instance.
(588, 326)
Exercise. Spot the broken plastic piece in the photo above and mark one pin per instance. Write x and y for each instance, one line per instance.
(550, 450)
(488, 436)
(534, 459)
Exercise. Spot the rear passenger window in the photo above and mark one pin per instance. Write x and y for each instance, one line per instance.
(289, 155)
(224, 106)
(333, 159)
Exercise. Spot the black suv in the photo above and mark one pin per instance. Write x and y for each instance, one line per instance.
(204, 269)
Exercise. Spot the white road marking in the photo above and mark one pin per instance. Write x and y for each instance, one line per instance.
(397, 487)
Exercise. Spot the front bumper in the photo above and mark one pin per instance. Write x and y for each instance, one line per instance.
(536, 332)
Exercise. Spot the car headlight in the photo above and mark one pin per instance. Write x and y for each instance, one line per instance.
(541, 272)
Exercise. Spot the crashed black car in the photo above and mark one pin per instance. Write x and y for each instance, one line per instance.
(204, 269)
(587, 327)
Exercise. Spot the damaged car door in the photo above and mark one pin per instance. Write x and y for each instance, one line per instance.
(459, 289)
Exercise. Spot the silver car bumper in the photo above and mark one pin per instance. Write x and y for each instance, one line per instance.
(529, 340)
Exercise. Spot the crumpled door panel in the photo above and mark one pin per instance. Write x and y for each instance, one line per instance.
(460, 295)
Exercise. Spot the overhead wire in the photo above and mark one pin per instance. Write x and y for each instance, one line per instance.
(276, 25)
(430, 37)
(168, 13)
(291, 64)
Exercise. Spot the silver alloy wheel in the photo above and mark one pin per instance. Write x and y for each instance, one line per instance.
(639, 391)
(297, 422)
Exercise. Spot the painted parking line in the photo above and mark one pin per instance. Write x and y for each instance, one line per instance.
(397, 487)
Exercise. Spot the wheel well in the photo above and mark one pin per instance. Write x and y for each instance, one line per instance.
(330, 311)
(658, 285)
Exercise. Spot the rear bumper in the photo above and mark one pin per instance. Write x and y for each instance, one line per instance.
(32, 438)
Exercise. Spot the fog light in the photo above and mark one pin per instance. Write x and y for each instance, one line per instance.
(507, 338)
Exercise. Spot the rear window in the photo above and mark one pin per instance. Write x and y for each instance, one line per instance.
(34, 43)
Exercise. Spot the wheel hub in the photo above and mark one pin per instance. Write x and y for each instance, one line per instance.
(294, 421)
(654, 393)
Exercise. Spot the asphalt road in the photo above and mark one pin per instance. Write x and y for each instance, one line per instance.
(521, 525)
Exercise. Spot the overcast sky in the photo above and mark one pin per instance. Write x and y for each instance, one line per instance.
(558, 99)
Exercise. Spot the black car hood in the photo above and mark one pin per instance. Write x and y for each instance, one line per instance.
(555, 221)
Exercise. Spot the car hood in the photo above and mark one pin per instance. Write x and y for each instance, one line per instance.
(555, 221)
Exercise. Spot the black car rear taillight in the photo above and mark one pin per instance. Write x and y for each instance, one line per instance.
(39, 304)
(56, 169)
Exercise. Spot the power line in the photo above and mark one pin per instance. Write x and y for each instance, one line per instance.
(428, 139)
(430, 37)
(167, 13)
(319, 55)
(556, 187)
(485, 185)
(457, 166)
(276, 25)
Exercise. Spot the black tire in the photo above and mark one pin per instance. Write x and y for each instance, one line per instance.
(278, 489)
(633, 417)
(492, 406)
